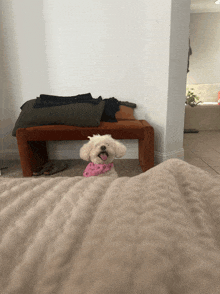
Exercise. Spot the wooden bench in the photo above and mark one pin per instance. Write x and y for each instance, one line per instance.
(33, 150)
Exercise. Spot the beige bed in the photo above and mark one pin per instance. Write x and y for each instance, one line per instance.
(155, 233)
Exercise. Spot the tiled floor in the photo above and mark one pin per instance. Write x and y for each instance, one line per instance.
(203, 150)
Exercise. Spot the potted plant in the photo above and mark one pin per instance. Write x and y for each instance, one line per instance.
(191, 98)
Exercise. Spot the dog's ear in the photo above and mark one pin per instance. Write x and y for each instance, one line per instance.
(120, 149)
(85, 150)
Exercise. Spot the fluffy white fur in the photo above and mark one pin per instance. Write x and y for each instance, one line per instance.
(97, 144)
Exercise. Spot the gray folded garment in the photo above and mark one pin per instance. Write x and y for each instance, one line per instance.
(76, 114)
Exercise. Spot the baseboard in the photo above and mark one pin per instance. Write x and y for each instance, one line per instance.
(71, 150)
(13, 154)
(160, 157)
(9, 154)
(132, 153)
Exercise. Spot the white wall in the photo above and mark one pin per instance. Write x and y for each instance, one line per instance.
(204, 37)
(205, 61)
(131, 50)
(23, 62)
(179, 35)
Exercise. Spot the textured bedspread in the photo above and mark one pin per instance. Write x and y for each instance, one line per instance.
(156, 233)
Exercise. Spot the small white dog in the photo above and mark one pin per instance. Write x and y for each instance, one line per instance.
(101, 151)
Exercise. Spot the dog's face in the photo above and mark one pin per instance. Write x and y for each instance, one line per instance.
(102, 150)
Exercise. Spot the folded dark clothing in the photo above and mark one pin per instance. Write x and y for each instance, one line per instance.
(128, 104)
(111, 104)
(111, 107)
(50, 100)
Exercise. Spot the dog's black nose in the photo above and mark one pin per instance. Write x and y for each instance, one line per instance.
(103, 147)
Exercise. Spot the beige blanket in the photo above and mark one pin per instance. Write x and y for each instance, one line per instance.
(156, 233)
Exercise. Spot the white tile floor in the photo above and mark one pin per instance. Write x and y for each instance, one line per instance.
(203, 150)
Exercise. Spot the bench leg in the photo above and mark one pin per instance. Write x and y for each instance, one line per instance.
(146, 151)
(33, 154)
(40, 156)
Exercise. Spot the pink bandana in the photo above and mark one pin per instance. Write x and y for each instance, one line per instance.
(93, 169)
